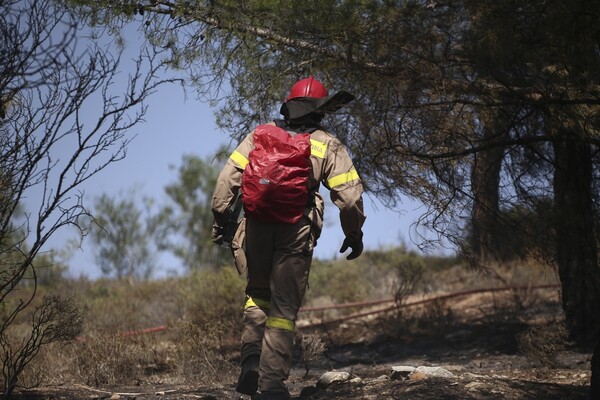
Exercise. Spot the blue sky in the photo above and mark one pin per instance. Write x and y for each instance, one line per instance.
(176, 126)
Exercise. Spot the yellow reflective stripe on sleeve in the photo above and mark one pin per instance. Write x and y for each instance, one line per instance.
(318, 149)
(239, 159)
(281, 323)
(342, 178)
(250, 302)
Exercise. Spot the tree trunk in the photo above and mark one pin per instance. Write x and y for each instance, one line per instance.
(595, 395)
(576, 248)
(485, 180)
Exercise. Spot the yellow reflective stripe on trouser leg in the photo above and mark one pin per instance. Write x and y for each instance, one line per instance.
(342, 178)
(281, 323)
(254, 302)
(239, 159)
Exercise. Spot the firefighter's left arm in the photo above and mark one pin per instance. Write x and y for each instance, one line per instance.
(350, 203)
(345, 186)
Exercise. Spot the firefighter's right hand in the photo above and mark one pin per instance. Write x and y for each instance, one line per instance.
(217, 234)
(355, 244)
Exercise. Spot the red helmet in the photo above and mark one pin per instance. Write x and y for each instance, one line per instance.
(308, 87)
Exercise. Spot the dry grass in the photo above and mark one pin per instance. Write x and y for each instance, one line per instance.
(199, 356)
(202, 313)
(110, 360)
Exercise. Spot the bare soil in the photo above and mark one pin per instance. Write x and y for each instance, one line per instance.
(495, 347)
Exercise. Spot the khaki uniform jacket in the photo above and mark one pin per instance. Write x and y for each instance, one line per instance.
(330, 165)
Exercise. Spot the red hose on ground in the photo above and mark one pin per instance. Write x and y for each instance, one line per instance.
(414, 303)
(364, 304)
(142, 331)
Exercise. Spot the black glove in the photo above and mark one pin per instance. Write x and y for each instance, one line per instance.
(355, 245)
(217, 234)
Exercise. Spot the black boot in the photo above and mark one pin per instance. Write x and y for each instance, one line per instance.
(248, 380)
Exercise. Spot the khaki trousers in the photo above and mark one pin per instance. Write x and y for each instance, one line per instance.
(279, 258)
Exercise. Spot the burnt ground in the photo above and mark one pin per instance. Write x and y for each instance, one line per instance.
(494, 352)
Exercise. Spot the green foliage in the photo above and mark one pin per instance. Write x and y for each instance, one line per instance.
(128, 238)
(426, 75)
(49, 270)
(123, 241)
(533, 36)
(188, 216)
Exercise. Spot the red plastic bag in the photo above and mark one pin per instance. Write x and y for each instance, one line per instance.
(275, 181)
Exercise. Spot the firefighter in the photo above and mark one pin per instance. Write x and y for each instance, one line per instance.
(278, 255)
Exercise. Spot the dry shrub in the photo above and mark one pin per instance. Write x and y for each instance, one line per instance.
(518, 272)
(37, 370)
(434, 318)
(409, 274)
(202, 310)
(312, 349)
(31, 374)
(211, 324)
(111, 360)
(198, 355)
(215, 298)
(526, 274)
(54, 320)
(53, 365)
(542, 343)
(437, 316)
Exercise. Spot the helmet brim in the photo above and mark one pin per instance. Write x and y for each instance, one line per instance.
(334, 102)
(301, 106)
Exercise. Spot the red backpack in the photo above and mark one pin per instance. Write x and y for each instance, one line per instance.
(275, 181)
